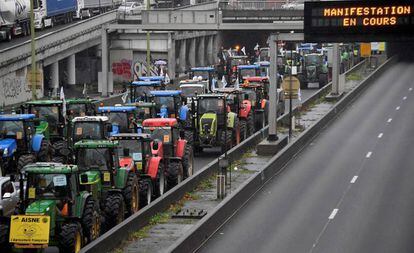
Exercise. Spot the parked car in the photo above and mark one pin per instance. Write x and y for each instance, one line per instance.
(130, 8)
(9, 196)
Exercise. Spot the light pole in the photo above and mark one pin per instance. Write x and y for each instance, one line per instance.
(148, 46)
(33, 49)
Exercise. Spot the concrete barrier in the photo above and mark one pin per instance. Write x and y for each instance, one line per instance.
(196, 236)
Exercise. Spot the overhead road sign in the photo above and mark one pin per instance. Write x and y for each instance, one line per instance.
(361, 20)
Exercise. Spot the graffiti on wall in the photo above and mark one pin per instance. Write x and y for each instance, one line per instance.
(131, 70)
(122, 69)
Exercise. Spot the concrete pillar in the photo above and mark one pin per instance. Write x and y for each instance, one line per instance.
(273, 88)
(54, 73)
(192, 53)
(71, 69)
(183, 49)
(335, 69)
(201, 52)
(171, 56)
(210, 51)
(105, 64)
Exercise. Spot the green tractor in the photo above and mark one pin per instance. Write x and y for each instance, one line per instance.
(50, 115)
(76, 107)
(144, 110)
(90, 128)
(214, 125)
(136, 154)
(53, 211)
(316, 72)
(116, 184)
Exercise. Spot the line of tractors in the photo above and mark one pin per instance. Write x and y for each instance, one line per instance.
(81, 169)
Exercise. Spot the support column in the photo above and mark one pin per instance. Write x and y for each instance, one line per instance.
(104, 74)
(71, 70)
(335, 69)
(171, 56)
(55, 77)
(192, 53)
(210, 49)
(201, 52)
(273, 88)
(182, 55)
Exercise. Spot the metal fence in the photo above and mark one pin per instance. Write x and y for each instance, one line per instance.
(260, 5)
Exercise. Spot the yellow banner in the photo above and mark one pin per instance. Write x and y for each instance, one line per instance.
(29, 229)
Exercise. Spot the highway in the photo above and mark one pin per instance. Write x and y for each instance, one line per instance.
(350, 190)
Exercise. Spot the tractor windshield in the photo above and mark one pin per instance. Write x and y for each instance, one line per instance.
(87, 130)
(313, 60)
(165, 101)
(247, 72)
(49, 114)
(134, 146)
(204, 74)
(160, 133)
(11, 128)
(191, 91)
(89, 158)
(120, 119)
(138, 92)
(214, 105)
(52, 186)
(76, 110)
(238, 61)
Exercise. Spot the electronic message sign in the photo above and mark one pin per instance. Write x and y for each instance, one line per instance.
(362, 20)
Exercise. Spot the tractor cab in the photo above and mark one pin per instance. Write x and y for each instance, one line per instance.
(139, 90)
(90, 128)
(76, 107)
(235, 61)
(165, 132)
(316, 71)
(144, 110)
(167, 102)
(19, 144)
(49, 111)
(244, 71)
(207, 74)
(123, 118)
(190, 89)
(264, 67)
(259, 84)
(54, 210)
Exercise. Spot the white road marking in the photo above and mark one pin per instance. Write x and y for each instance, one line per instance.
(404, 98)
(332, 216)
(368, 154)
(397, 108)
(389, 120)
(380, 135)
(354, 179)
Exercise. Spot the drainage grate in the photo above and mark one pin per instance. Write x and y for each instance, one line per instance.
(190, 213)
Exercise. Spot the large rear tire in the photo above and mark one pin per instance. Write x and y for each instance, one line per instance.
(188, 161)
(131, 194)
(25, 160)
(243, 130)
(4, 237)
(70, 238)
(189, 137)
(91, 220)
(250, 124)
(161, 181)
(61, 150)
(145, 192)
(46, 151)
(114, 210)
(175, 174)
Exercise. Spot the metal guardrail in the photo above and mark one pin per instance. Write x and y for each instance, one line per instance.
(46, 41)
(252, 5)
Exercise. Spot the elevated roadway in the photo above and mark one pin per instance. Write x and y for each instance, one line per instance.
(350, 190)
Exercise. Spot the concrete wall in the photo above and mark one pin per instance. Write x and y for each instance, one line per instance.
(15, 88)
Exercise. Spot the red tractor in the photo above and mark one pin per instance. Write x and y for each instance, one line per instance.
(170, 149)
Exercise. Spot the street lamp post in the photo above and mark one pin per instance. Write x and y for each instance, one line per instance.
(33, 51)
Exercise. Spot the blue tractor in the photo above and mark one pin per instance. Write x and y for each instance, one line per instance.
(244, 71)
(21, 143)
(139, 90)
(122, 118)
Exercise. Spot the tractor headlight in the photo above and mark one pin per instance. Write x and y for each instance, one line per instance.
(6, 151)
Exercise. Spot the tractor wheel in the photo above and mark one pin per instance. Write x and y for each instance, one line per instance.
(61, 150)
(145, 193)
(161, 181)
(250, 124)
(226, 142)
(114, 210)
(189, 137)
(46, 151)
(131, 194)
(70, 238)
(175, 174)
(4, 237)
(25, 160)
(243, 130)
(323, 80)
(91, 220)
(188, 161)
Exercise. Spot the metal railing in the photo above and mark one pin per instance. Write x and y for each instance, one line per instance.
(252, 5)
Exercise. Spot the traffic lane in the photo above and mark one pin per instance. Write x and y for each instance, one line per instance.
(384, 223)
(206, 157)
(288, 214)
(22, 39)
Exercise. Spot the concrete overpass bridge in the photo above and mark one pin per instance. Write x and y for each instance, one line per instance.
(186, 36)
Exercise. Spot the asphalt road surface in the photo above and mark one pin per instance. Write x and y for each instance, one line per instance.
(348, 191)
